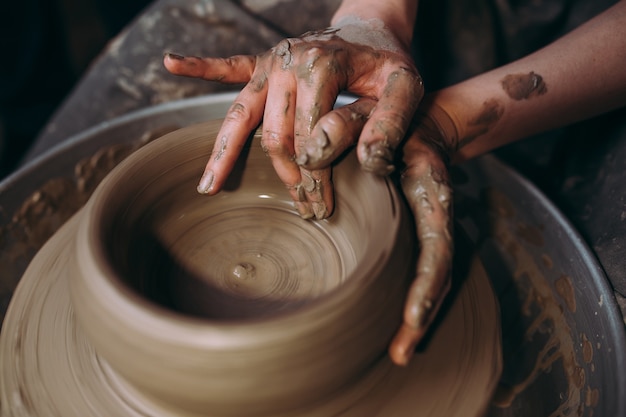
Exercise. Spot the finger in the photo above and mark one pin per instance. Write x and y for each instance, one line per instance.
(318, 87)
(240, 120)
(232, 70)
(318, 187)
(389, 121)
(278, 137)
(426, 186)
(334, 133)
(403, 344)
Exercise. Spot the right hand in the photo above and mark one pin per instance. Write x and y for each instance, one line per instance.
(293, 88)
(425, 154)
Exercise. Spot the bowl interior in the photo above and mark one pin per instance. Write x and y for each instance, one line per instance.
(244, 253)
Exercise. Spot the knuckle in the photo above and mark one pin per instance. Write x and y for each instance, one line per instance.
(281, 47)
(239, 113)
(275, 144)
(407, 80)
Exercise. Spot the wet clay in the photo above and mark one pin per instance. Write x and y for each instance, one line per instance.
(371, 32)
(429, 195)
(50, 206)
(324, 315)
(547, 329)
(565, 289)
(490, 112)
(524, 86)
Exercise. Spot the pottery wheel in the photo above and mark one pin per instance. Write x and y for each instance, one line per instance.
(50, 369)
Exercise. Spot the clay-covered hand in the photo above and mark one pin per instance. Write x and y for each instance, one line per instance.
(427, 188)
(429, 145)
(293, 88)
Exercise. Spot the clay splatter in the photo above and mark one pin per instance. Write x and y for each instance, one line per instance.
(222, 149)
(547, 320)
(524, 86)
(283, 50)
(491, 111)
(530, 234)
(565, 289)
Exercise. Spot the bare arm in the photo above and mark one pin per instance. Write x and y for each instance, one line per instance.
(581, 75)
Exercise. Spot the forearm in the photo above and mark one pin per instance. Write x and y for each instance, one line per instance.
(578, 76)
(397, 15)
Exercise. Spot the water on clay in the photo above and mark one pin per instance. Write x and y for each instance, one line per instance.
(242, 256)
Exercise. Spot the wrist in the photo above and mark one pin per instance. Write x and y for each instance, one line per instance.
(443, 121)
(395, 16)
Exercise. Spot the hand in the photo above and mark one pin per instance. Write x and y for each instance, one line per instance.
(426, 186)
(293, 88)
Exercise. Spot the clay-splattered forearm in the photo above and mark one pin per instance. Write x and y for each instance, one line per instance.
(576, 77)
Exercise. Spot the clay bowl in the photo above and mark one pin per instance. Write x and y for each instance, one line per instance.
(233, 303)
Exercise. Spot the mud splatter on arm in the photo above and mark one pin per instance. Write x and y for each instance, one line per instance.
(576, 77)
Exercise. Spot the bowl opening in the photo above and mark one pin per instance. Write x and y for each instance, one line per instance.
(244, 254)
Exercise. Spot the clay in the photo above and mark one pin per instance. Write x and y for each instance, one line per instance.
(491, 111)
(116, 345)
(283, 50)
(565, 289)
(524, 86)
(429, 195)
(334, 132)
(258, 83)
(547, 322)
(587, 349)
(379, 157)
(222, 148)
(530, 234)
(305, 70)
(50, 206)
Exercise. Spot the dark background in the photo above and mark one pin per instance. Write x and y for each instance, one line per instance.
(46, 46)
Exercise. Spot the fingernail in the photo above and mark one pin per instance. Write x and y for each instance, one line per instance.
(175, 56)
(206, 182)
(316, 146)
(309, 184)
